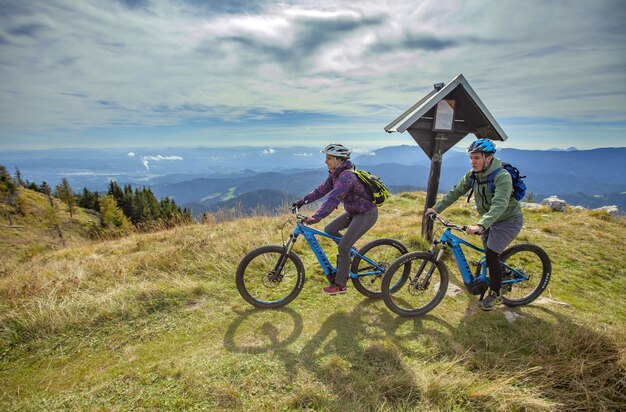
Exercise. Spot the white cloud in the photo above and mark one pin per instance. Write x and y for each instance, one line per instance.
(303, 154)
(145, 160)
(268, 151)
(95, 66)
(131, 154)
(158, 158)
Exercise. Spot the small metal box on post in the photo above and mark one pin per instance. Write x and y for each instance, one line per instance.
(439, 121)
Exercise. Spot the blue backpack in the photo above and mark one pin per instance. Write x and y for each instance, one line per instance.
(519, 187)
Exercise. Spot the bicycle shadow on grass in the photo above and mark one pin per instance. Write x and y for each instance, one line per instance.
(354, 350)
(263, 330)
(270, 329)
(369, 320)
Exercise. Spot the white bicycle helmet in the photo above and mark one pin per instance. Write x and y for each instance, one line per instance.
(337, 150)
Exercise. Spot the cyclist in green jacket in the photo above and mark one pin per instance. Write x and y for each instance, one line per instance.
(501, 216)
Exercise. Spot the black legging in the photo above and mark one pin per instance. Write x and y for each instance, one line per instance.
(495, 270)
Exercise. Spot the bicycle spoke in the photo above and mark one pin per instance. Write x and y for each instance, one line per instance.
(382, 251)
(526, 272)
(421, 290)
(259, 282)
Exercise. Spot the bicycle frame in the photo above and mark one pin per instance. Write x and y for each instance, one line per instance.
(455, 243)
(310, 234)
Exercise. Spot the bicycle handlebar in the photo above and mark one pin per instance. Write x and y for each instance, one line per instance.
(448, 224)
(299, 217)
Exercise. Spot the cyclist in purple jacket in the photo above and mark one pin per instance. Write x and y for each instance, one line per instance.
(360, 212)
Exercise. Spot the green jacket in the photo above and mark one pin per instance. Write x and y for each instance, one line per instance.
(492, 207)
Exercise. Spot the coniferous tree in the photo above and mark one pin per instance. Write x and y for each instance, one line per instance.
(52, 219)
(8, 194)
(7, 185)
(116, 191)
(82, 199)
(127, 201)
(143, 208)
(153, 209)
(64, 192)
(89, 200)
(33, 186)
(168, 207)
(18, 177)
(136, 215)
(47, 190)
(111, 215)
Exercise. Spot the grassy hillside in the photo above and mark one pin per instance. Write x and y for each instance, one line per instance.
(41, 228)
(154, 322)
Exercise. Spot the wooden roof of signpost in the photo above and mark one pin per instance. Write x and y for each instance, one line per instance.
(471, 116)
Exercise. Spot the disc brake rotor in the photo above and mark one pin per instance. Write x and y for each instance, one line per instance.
(270, 281)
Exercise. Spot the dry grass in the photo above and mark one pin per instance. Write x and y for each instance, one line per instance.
(153, 321)
(36, 231)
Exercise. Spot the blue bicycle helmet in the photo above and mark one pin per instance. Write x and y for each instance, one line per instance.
(482, 145)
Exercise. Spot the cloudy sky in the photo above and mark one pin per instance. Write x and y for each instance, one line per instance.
(157, 73)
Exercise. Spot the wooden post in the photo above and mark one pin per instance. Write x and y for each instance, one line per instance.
(433, 185)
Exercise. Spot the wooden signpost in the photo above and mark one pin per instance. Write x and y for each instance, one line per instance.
(439, 121)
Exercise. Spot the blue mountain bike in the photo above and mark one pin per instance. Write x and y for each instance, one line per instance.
(272, 276)
(526, 273)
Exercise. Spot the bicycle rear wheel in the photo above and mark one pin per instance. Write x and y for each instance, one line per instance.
(382, 251)
(421, 291)
(526, 273)
(262, 285)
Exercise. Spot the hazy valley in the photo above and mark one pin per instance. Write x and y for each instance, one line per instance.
(207, 179)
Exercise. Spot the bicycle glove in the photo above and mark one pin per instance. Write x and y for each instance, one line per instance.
(298, 204)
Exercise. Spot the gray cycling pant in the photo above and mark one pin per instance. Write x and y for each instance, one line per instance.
(502, 233)
(357, 226)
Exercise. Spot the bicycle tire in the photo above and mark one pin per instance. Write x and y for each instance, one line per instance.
(255, 272)
(384, 251)
(410, 300)
(535, 263)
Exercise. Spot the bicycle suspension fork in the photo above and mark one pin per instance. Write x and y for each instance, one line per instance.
(433, 264)
(433, 247)
(278, 268)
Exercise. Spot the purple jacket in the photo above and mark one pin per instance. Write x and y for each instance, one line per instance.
(341, 186)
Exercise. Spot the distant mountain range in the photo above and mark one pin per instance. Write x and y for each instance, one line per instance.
(573, 175)
(249, 177)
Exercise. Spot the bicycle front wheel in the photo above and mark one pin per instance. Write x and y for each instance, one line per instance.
(421, 291)
(526, 271)
(269, 278)
(369, 279)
